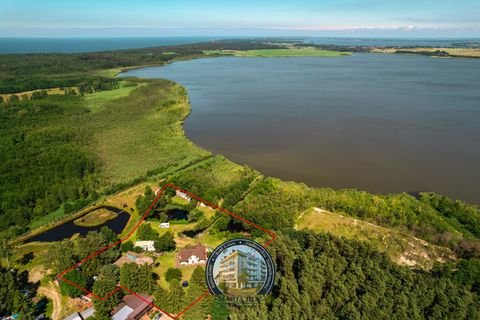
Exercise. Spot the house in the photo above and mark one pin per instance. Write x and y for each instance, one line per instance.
(183, 195)
(145, 245)
(192, 255)
(165, 225)
(132, 307)
(132, 257)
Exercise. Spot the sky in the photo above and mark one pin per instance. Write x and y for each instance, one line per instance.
(379, 18)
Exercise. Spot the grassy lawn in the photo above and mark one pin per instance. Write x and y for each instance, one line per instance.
(95, 218)
(271, 53)
(46, 219)
(402, 248)
(98, 100)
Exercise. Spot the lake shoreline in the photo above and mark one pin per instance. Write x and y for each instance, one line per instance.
(270, 171)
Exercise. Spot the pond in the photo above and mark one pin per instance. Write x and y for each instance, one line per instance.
(68, 229)
(177, 214)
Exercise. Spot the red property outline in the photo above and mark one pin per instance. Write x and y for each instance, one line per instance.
(119, 287)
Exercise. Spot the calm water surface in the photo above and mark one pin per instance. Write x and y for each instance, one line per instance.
(382, 123)
(67, 230)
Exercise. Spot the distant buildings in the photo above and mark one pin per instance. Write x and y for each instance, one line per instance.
(241, 270)
(145, 245)
(132, 307)
(192, 255)
(132, 257)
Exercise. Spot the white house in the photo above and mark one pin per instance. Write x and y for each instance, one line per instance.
(183, 195)
(192, 255)
(145, 245)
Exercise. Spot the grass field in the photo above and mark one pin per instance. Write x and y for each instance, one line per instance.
(95, 218)
(142, 132)
(272, 53)
(452, 52)
(402, 248)
(96, 101)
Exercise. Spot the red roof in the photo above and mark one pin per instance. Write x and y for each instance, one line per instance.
(199, 250)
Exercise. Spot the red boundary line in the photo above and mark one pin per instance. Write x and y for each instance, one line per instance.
(119, 287)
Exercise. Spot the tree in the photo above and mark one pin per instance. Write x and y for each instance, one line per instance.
(218, 308)
(11, 299)
(173, 274)
(127, 246)
(62, 255)
(111, 272)
(146, 232)
(176, 297)
(196, 288)
(161, 297)
(143, 202)
(165, 243)
(108, 235)
(76, 277)
(5, 250)
(138, 278)
(102, 287)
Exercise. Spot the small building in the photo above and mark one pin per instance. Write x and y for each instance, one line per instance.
(146, 245)
(192, 255)
(133, 307)
(165, 225)
(183, 195)
(85, 314)
(132, 257)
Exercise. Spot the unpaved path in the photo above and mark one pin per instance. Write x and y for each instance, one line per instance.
(51, 292)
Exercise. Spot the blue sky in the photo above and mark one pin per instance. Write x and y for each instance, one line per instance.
(408, 18)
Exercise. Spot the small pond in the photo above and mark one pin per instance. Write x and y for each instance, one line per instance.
(68, 229)
(177, 214)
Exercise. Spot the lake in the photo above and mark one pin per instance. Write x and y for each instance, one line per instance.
(376, 122)
(68, 229)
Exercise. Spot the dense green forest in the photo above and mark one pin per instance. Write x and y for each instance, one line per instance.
(43, 159)
(323, 277)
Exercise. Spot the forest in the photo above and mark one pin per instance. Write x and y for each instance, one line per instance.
(323, 277)
(43, 162)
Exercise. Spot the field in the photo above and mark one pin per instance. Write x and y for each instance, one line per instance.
(95, 218)
(28, 94)
(96, 101)
(452, 52)
(275, 53)
(142, 132)
(401, 248)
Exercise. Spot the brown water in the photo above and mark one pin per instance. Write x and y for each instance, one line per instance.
(382, 123)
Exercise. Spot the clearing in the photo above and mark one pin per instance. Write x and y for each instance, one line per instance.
(402, 248)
